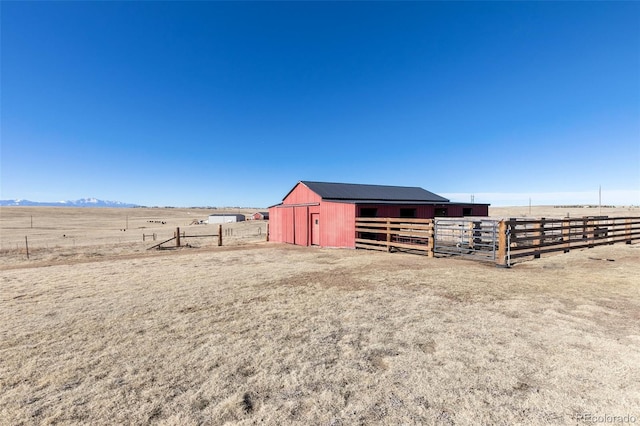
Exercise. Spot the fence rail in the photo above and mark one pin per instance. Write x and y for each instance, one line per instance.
(474, 238)
(388, 234)
(501, 242)
(536, 237)
(178, 236)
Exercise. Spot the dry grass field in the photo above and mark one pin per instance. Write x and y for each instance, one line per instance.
(107, 332)
(66, 234)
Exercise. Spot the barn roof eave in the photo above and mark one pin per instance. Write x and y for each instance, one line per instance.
(391, 202)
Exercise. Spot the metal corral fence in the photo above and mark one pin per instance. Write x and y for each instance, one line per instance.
(474, 238)
(534, 237)
(499, 241)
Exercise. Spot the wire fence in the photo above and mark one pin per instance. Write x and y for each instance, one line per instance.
(84, 240)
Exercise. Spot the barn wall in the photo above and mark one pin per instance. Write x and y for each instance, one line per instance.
(393, 210)
(337, 224)
(271, 229)
(453, 210)
(291, 224)
(426, 211)
(301, 195)
(457, 209)
(303, 224)
(275, 228)
(480, 209)
(281, 224)
(301, 231)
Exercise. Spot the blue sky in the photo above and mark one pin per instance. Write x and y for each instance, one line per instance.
(231, 103)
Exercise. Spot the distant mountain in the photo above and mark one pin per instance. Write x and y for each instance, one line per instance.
(84, 202)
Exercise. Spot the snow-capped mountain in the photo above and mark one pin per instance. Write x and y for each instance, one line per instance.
(83, 202)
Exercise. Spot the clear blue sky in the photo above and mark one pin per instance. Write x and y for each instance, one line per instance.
(231, 103)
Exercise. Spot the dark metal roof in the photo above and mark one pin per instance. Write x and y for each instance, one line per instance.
(357, 193)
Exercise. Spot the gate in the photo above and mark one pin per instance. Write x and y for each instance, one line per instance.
(473, 238)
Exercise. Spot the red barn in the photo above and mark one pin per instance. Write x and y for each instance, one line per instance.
(260, 216)
(324, 214)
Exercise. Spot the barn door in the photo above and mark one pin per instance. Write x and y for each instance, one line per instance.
(315, 229)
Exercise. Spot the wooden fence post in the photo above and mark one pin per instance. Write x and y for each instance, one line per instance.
(177, 237)
(388, 234)
(267, 231)
(590, 233)
(566, 235)
(627, 231)
(219, 235)
(432, 240)
(502, 244)
(26, 243)
(539, 232)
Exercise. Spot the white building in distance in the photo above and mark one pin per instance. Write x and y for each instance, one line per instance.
(225, 218)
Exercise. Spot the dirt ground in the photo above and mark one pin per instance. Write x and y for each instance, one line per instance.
(257, 332)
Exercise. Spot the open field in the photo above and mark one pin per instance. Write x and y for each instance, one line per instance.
(56, 234)
(257, 332)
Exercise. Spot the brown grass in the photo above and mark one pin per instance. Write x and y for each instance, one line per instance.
(290, 335)
(559, 212)
(62, 234)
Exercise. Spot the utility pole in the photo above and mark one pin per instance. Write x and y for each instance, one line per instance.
(600, 199)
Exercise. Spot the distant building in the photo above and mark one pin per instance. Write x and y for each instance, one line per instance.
(260, 216)
(324, 214)
(226, 218)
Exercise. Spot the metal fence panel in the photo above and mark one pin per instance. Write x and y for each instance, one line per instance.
(474, 238)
